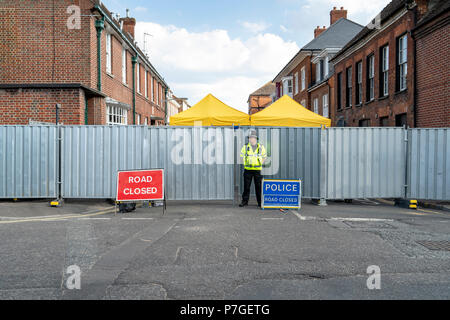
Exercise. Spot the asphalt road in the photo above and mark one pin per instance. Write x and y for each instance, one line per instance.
(217, 251)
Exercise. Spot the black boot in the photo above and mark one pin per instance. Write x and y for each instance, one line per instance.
(243, 204)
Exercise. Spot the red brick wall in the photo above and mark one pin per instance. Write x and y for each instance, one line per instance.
(19, 106)
(258, 103)
(396, 103)
(310, 70)
(40, 48)
(319, 93)
(433, 77)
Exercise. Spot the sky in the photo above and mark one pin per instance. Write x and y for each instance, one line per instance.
(229, 48)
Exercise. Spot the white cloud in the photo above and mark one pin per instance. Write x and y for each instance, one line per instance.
(197, 63)
(255, 27)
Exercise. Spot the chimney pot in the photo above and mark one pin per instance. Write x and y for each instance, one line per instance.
(336, 14)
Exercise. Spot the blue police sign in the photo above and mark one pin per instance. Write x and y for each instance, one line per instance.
(281, 194)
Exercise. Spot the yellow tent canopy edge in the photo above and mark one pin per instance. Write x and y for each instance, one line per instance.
(210, 111)
(286, 112)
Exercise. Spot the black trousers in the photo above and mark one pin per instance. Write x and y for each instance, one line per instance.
(257, 177)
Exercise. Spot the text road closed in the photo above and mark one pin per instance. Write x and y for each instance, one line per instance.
(140, 185)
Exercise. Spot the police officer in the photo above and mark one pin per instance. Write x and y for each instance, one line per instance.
(254, 154)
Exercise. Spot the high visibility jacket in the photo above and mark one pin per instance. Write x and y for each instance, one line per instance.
(253, 160)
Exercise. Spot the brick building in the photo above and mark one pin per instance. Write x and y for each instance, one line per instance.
(307, 78)
(49, 55)
(395, 71)
(261, 98)
(432, 47)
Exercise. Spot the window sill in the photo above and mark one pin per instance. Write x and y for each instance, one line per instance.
(383, 98)
(359, 105)
(349, 107)
(401, 91)
(110, 74)
(369, 102)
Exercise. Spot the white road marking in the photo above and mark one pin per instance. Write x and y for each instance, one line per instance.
(272, 218)
(303, 218)
(138, 218)
(361, 219)
(94, 219)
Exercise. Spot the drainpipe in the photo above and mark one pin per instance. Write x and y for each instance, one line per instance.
(99, 25)
(165, 105)
(134, 60)
(85, 109)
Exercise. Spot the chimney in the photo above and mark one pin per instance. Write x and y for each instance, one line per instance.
(337, 14)
(128, 24)
(318, 31)
(422, 8)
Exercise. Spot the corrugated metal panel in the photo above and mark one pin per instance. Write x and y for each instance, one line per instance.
(294, 153)
(195, 170)
(429, 164)
(366, 163)
(28, 161)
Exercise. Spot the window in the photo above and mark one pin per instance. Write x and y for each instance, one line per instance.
(108, 53)
(146, 121)
(320, 71)
(124, 66)
(384, 71)
(287, 86)
(339, 91)
(384, 122)
(364, 123)
(296, 83)
(316, 105)
(370, 77)
(402, 66)
(359, 86)
(326, 112)
(151, 89)
(138, 119)
(348, 97)
(145, 84)
(326, 68)
(303, 103)
(138, 78)
(303, 75)
(400, 120)
(157, 93)
(116, 115)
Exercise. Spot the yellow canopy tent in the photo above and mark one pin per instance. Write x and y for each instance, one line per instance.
(210, 111)
(285, 112)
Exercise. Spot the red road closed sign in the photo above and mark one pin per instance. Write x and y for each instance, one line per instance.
(140, 185)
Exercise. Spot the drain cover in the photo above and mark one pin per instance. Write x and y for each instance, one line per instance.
(435, 245)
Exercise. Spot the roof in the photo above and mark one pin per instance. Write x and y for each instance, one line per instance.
(436, 8)
(393, 7)
(266, 90)
(335, 36)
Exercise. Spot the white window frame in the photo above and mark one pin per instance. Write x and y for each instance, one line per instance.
(296, 83)
(145, 83)
(303, 75)
(359, 70)
(371, 77)
(303, 102)
(349, 87)
(138, 122)
(157, 93)
(318, 72)
(124, 66)
(138, 78)
(108, 53)
(402, 61)
(288, 83)
(385, 70)
(116, 115)
(325, 108)
(151, 88)
(316, 105)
